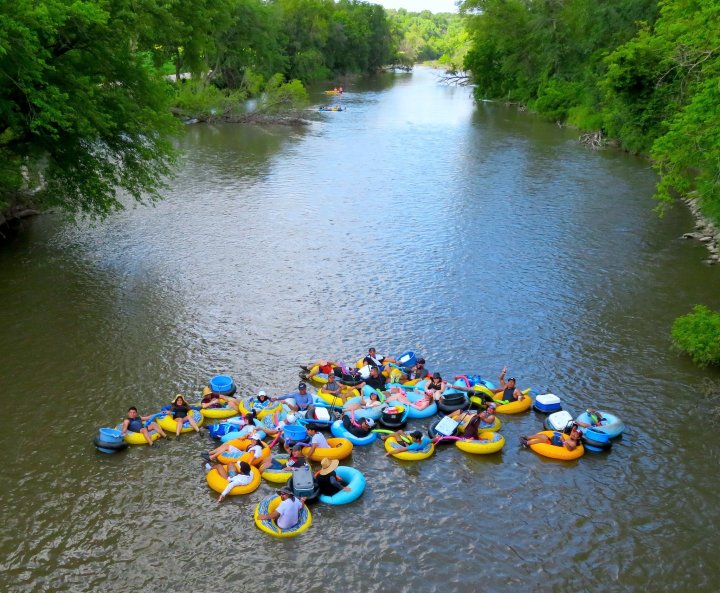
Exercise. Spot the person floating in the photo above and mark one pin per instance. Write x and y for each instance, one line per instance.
(135, 423)
(182, 412)
(328, 481)
(287, 513)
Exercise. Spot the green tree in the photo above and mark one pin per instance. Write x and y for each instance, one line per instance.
(83, 114)
(698, 334)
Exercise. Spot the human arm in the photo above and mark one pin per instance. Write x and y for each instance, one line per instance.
(125, 425)
(335, 481)
(502, 378)
(273, 516)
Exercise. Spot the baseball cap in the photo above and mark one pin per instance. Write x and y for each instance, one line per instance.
(261, 392)
(421, 360)
(302, 385)
(370, 422)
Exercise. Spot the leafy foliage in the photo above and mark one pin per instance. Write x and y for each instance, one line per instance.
(698, 334)
(82, 113)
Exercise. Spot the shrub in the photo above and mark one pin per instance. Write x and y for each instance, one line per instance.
(698, 334)
(198, 98)
(282, 96)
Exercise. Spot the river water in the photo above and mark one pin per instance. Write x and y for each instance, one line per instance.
(473, 234)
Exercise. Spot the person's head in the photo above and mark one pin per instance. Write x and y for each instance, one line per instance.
(374, 396)
(311, 429)
(249, 418)
(206, 391)
(285, 493)
(374, 371)
(244, 468)
(367, 423)
(416, 436)
(436, 377)
(491, 408)
(262, 396)
(511, 382)
(179, 400)
(420, 362)
(371, 352)
(575, 431)
(297, 450)
(302, 387)
(328, 465)
(132, 411)
(255, 439)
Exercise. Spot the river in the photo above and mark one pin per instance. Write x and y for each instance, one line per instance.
(414, 220)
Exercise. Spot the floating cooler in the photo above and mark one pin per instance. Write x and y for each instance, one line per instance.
(407, 360)
(221, 384)
(547, 403)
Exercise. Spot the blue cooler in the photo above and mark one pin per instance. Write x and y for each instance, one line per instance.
(294, 434)
(547, 403)
(222, 384)
(407, 360)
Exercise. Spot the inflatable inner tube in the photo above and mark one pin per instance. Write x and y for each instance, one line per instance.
(457, 404)
(434, 433)
(394, 416)
(268, 505)
(105, 447)
(353, 479)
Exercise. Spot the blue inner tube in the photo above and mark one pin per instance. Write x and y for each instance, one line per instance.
(338, 430)
(611, 426)
(353, 479)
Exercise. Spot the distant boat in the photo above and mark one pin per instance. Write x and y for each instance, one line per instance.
(331, 108)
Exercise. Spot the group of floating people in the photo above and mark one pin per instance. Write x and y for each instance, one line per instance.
(373, 398)
(338, 90)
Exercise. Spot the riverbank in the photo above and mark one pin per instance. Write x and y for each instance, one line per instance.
(285, 118)
(706, 231)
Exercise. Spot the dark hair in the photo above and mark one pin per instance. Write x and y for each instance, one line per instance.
(375, 393)
(244, 467)
(250, 416)
(131, 408)
(436, 375)
(416, 434)
(311, 427)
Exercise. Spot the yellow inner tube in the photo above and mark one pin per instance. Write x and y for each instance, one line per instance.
(278, 476)
(218, 483)
(391, 444)
(339, 449)
(513, 407)
(555, 452)
(167, 423)
(248, 457)
(268, 505)
(336, 401)
(491, 442)
(136, 438)
(218, 413)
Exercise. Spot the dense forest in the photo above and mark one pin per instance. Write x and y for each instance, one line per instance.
(643, 73)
